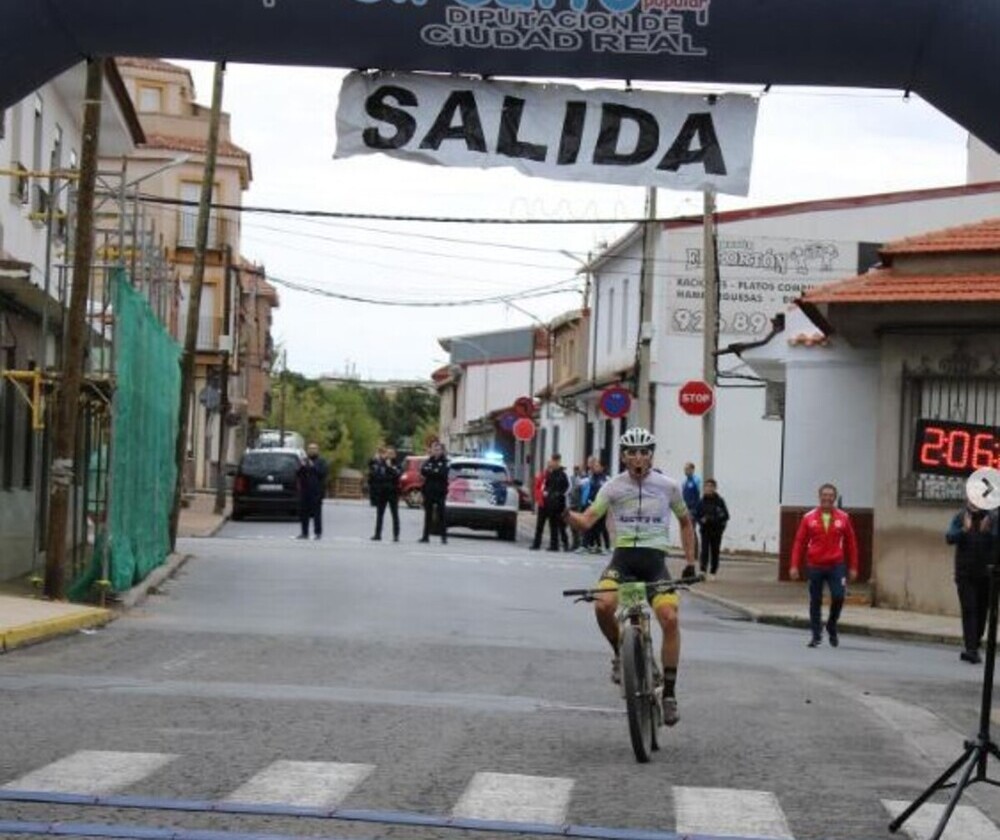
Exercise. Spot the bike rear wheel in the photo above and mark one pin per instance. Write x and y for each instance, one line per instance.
(639, 696)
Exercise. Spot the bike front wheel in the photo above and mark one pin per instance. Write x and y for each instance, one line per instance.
(639, 697)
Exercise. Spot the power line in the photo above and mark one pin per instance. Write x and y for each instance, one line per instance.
(389, 217)
(404, 249)
(544, 291)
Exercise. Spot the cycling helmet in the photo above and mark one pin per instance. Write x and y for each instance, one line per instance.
(637, 438)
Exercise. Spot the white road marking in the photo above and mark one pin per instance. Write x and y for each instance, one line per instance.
(925, 731)
(306, 783)
(966, 823)
(92, 772)
(743, 813)
(515, 798)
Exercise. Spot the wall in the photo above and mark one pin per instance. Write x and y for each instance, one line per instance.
(914, 564)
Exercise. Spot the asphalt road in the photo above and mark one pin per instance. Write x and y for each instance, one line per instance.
(455, 680)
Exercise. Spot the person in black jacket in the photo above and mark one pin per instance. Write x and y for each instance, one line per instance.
(711, 514)
(312, 490)
(554, 490)
(383, 484)
(974, 533)
(435, 473)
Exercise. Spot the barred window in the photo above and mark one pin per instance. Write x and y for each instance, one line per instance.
(959, 396)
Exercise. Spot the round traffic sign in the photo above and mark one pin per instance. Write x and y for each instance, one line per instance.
(696, 397)
(615, 401)
(524, 429)
(524, 407)
(507, 420)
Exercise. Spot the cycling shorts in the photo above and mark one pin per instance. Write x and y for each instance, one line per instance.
(646, 564)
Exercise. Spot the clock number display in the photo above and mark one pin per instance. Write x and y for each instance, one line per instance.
(946, 448)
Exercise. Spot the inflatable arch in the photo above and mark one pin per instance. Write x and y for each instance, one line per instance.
(947, 51)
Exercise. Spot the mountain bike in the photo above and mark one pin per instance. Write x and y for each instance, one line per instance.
(642, 682)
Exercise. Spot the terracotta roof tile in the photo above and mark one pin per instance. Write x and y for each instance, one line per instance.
(193, 144)
(978, 236)
(886, 287)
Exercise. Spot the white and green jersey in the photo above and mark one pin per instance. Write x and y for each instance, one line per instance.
(641, 509)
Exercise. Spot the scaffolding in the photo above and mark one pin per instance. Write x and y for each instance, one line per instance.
(128, 249)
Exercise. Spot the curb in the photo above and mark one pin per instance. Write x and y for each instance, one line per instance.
(39, 631)
(845, 627)
(140, 592)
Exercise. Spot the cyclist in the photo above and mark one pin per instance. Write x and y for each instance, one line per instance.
(641, 501)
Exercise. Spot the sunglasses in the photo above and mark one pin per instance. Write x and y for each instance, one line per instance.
(641, 451)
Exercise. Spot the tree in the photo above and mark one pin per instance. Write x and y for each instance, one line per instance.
(316, 418)
(404, 414)
(366, 431)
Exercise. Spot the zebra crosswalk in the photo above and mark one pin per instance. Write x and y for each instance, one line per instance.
(509, 798)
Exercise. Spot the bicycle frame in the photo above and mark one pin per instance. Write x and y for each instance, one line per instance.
(641, 677)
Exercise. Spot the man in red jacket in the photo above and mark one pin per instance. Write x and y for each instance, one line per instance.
(826, 538)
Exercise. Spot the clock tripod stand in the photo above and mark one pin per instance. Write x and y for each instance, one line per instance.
(971, 765)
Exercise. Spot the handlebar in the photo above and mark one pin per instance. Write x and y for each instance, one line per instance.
(658, 586)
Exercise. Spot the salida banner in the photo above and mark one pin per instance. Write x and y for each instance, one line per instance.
(680, 141)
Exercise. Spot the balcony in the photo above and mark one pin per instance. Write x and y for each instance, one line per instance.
(187, 230)
(209, 330)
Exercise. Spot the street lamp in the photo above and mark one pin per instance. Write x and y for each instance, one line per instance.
(584, 269)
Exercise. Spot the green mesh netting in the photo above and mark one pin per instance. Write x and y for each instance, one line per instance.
(143, 437)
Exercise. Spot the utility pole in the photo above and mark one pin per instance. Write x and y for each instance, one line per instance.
(194, 296)
(647, 408)
(67, 413)
(281, 394)
(710, 332)
(220, 484)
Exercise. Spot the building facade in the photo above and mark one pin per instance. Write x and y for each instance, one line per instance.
(767, 258)
(170, 165)
(40, 147)
(865, 360)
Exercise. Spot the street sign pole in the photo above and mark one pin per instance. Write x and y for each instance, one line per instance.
(710, 326)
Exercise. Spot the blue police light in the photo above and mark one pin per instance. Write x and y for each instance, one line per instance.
(493, 455)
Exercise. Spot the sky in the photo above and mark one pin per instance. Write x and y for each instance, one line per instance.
(810, 144)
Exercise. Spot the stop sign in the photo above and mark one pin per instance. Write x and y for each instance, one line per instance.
(696, 397)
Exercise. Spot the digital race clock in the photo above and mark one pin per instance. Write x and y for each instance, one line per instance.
(941, 447)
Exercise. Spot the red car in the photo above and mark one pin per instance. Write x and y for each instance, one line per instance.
(411, 482)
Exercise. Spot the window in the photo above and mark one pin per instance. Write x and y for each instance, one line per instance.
(611, 318)
(57, 144)
(774, 401)
(625, 304)
(17, 444)
(960, 395)
(188, 229)
(150, 99)
(8, 404)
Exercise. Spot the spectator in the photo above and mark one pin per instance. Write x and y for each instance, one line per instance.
(576, 484)
(383, 484)
(435, 473)
(312, 490)
(711, 514)
(974, 533)
(691, 487)
(825, 539)
(554, 488)
(597, 539)
(691, 490)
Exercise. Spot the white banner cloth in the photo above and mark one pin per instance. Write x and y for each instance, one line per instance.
(641, 138)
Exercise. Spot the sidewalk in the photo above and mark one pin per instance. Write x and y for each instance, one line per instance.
(26, 618)
(746, 585)
(749, 585)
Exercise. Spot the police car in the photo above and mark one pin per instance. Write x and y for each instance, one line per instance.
(481, 496)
